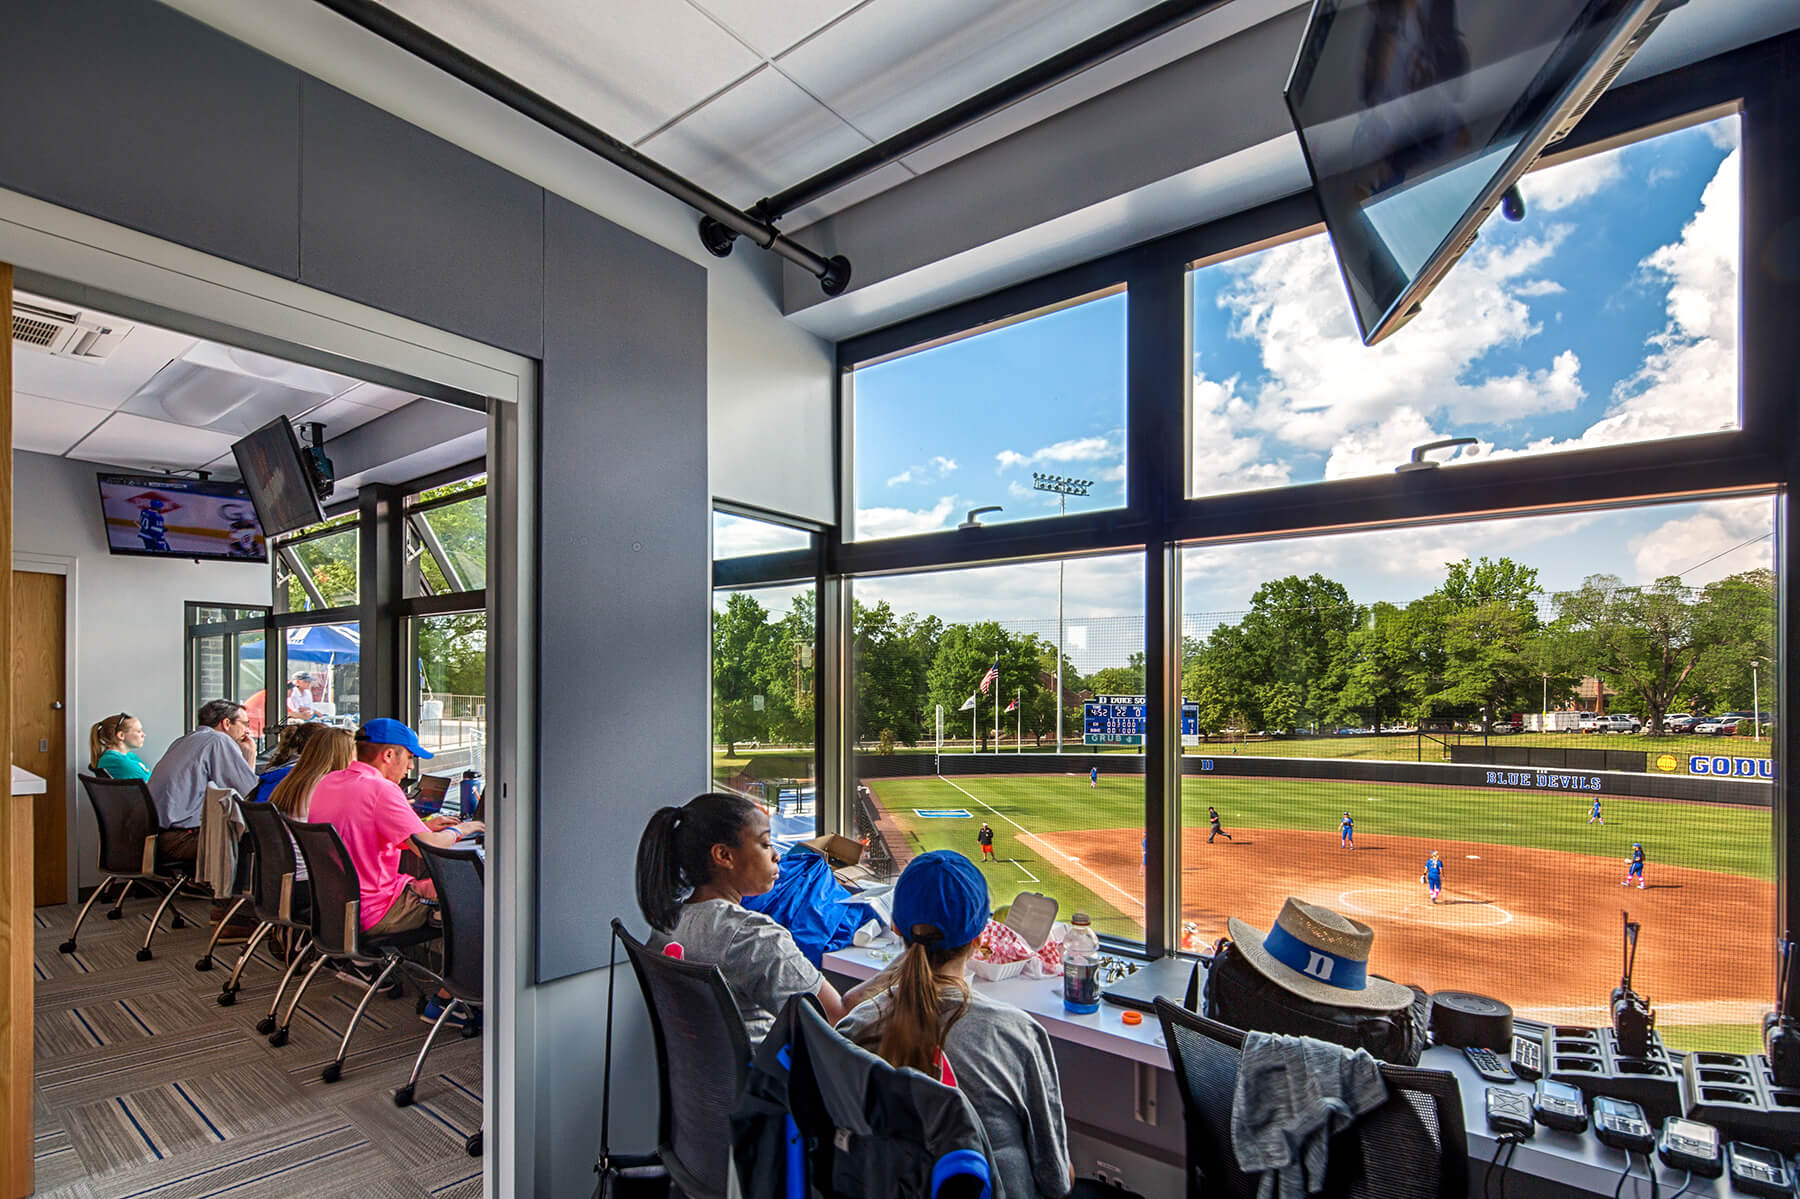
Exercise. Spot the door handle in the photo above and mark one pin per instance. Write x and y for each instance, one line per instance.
(56, 705)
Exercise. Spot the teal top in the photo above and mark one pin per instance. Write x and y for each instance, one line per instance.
(123, 764)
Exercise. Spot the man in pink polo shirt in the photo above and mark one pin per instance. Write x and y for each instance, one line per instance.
(364, 803)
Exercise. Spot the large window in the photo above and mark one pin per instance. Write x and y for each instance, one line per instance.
(449, 654)
(982, 419)
(954, 702)
(319, 676)
(446, 539)
(226, 648)
(1609, 315)
(1522, 698)
(444, 675)
(317, 568)
(765, 670)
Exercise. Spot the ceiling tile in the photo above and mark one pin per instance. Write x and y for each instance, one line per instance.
(757, 138)
(107, 383)
(340, 416)
(137, 441)
(47, 426)
(892, 63)
(626, 66)
(374, 395)
(773, 28)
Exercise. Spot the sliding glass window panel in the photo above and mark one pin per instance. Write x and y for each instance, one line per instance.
(956, 726)
(446, 547)
(1608, 315)
(1027, 416)
(317, 572)
(745, 537)
(225, 658)
(449, 689)
(319, 676)
(1526, 703)
(765, 702)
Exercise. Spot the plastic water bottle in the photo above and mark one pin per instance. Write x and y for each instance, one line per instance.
(1081, 966)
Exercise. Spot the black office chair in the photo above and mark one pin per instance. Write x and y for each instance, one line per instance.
(126, 816)
(458, 876)
(337, 935)
(1412, 1147)
(702, 1059)
(280, 902)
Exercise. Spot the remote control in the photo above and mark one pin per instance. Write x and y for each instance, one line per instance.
(1509, 1112)
(1757, 1171)
(1490, 1065)
(1528, 1058)
(1560, 1105)
(1690, 1145)
(1621, 1124)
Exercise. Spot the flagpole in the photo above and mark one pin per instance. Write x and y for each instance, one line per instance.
(1019, 718)
(975, 722)
(996, 715)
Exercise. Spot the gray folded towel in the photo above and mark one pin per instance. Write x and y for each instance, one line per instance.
(1292, 1094)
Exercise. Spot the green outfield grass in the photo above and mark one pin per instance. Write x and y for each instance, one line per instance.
(1712, 1038)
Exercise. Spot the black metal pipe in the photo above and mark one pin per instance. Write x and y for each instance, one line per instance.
(726, 222)
(1129, 33)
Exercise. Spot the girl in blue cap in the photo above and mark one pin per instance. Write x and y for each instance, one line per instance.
(695, 864)
(924, 1014)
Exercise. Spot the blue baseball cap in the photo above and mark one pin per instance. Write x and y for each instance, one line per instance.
(384, 731)
(945, 890)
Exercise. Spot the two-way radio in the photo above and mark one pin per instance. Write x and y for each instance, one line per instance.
(1632, 1018)
(1781, 1028)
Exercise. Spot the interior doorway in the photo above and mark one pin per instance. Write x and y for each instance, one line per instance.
(40, 722)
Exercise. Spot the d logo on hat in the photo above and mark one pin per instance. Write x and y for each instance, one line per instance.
(1319, 955)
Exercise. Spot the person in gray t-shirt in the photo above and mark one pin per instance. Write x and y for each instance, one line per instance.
(695, 865)
(220, 752)
(925, 1015)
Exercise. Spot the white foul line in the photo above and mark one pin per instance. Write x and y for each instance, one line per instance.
(1088, 870)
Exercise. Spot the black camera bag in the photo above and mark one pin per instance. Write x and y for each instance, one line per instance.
(1239, 995)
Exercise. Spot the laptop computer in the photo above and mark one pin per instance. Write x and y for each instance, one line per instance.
(433, 789)
(480, 813)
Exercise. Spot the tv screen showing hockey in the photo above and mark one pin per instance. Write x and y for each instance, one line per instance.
(162, 517)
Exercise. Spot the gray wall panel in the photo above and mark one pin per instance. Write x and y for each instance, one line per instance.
(402, 220)
(623, 669)
(138, 115)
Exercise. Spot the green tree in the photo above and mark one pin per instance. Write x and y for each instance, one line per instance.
(964, 654)
(1644, 641)
(746, 648)
(890, 655)
(1295, 631)
(1739, 614)
(1488, 623)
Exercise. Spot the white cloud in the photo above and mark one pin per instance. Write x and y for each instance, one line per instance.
(737, 537)
(943, 465)
(1723, 133)
(1076, 449)
(872, 523)
(937, 468)
(1557, 187)
(905, 476)
(1227, 454)
(1712, 541)
(1538, 287)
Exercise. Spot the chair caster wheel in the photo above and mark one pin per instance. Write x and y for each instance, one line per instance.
(332, 1072)
(66, 947)
(403, 1097)
(227, 998)
(115, 914)
(266, 1025)
(278, 1038)
(203, 965)
(178, 922)
(472, 1146)
(470, 1029)
(144, 954)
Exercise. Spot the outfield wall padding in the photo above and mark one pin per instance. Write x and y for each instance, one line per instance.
(1549, 757)
(1589, 783)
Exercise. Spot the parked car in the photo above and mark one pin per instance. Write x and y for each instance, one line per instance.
(1590, 723)
(1718, 726)
(1681, 722)
(1617, 722)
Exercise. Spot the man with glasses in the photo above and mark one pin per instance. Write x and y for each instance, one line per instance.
(364, 803)
(220, 752)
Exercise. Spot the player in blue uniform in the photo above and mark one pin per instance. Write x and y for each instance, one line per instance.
(1594, 816)
(1093, 777)
(1635, 867)
(1347, 832)
(1434, 875)
(152, 527)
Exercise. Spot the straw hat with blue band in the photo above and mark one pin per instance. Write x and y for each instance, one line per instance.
(1319, 955)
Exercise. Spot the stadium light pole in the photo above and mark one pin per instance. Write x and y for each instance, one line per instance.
(1755, 701)
(1062, 487)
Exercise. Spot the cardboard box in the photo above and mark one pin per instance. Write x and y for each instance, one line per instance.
(1032, 915)
(839, 851)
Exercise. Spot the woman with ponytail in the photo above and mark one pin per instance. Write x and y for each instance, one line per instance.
(695, 864)
(925, 1015)
(113, 744)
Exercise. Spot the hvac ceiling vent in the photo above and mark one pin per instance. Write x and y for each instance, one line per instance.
(63, 332)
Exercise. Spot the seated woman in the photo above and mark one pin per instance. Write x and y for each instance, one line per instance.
(325, 750)
(294, 738)
(112, 748)
(922, 1006)
(695, 864)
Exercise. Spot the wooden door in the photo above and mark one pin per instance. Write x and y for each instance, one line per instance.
(38, 743)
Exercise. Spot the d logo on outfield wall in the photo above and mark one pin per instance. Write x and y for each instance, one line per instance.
(1743, 768)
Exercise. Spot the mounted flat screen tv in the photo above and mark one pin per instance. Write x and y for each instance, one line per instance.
(280, 482)
(158, 516)
(1418, 116)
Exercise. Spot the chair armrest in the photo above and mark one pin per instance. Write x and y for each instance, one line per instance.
(284, 906)
(150, 854)
(353, 924)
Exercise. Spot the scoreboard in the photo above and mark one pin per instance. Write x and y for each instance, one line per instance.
(1122, 720)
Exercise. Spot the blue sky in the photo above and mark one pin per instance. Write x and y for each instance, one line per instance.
(1608, 315)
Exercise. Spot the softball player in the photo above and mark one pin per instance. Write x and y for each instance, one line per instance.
(1093, 777)
(1433, 878)
(1347, 832)
(1635, 867)
(1594, 816)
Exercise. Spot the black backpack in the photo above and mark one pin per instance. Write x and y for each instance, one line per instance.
(1237, 994)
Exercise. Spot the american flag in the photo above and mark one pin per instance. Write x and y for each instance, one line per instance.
(1014, 704)
(993, 674)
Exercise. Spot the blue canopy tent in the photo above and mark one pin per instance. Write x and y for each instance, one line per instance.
(330, 645)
